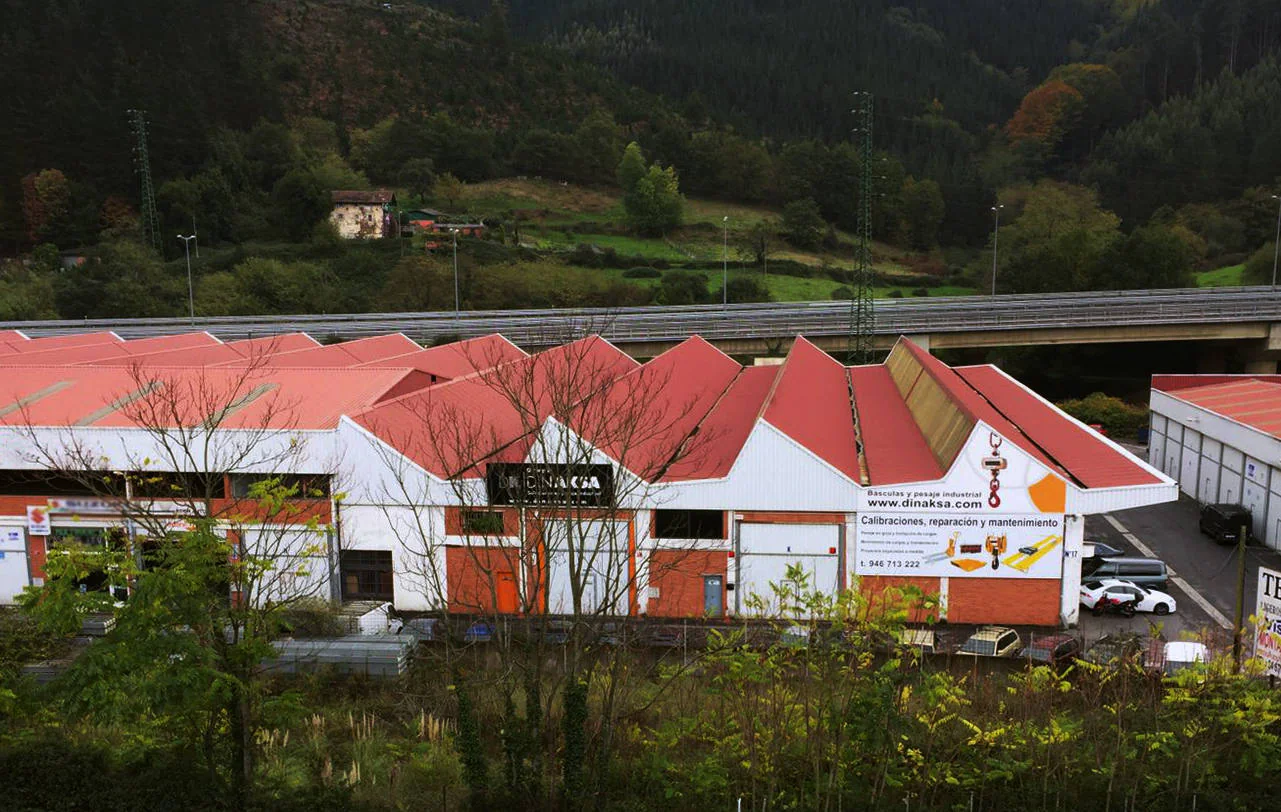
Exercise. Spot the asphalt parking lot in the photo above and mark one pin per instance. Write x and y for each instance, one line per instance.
(1203, 573)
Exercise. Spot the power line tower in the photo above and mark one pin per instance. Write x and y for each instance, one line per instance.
(862, 317)
(142, 165)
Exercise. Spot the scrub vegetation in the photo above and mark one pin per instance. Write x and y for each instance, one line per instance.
(839, 717)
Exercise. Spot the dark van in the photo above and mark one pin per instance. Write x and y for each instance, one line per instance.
(1223, 522)
(1147, 572)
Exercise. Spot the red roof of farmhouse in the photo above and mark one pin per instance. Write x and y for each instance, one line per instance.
(685, 415)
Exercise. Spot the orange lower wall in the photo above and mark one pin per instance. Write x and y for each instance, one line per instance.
(883, 593)
(678, 574)
(1032, 602)
(473, 575)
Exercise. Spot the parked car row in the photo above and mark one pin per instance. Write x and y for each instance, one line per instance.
(1155, 655)
(1127, 596)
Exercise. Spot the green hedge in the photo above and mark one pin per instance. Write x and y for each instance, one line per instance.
(1121, 420)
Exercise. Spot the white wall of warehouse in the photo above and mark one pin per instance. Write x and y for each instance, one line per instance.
(1218, 460)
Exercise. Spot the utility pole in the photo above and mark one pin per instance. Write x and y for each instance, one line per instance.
(457, 301)
(1276, 243)
(193, 234)
(996, 232)
(725, 264)
(142, 164)
(862, 314)
(1240, 616)
(191, 289)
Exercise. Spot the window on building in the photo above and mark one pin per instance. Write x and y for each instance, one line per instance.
(304, 486)
(166, 485)
(51, 483)
(367, 575)
(689, 524)
(482, 522)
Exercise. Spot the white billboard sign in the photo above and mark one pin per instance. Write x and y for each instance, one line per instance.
(989, 475)
(960, 545)
(1267, 629)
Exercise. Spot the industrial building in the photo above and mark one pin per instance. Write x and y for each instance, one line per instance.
(1220, 437)
(476, 478)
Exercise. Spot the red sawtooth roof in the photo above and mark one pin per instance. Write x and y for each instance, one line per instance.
(63, 342)
(1089, 459)
(725, 429)
(893, 447)
(253, 350)
(105, 352)
(648, 414)
(977, 407)
(116, 396)
(348, 353)
(450, 428)
(810, 403)
(457, 359)
(695, 407)
(1252, 402)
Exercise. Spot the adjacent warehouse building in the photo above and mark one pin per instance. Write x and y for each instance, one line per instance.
(1220, 437)
(475, 478)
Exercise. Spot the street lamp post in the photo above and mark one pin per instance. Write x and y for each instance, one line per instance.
(1276, 244)
(457, 301)
(725, 264)
(191, 290)
(996, 232)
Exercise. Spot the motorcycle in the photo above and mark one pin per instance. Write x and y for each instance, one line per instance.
(1116, 605)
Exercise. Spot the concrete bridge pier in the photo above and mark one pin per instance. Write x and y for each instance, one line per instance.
(1262, 360)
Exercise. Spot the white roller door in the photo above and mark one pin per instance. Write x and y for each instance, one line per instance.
(1156, 450)
(1255, 494)
(599, 566)
(1208, 480)
(766, 551)
(1229, 486)
(14, 576)
(1273, 538)
(1191, 456)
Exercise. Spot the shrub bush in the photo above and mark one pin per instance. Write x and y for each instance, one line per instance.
(1118, 418)
(642, 273)
(920, 291)
(896, 294)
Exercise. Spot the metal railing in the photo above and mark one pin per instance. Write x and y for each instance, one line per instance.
(751, 321)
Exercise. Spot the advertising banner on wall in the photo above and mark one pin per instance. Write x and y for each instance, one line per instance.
(990, 475)
(1267, 630)
(954, 545)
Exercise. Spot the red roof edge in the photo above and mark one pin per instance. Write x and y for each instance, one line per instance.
(1173, 383)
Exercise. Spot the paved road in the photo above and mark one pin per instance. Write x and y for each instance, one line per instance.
(536, 328)
(1170, 532)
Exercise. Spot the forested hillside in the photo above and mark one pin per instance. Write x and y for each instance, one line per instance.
(1131, 143)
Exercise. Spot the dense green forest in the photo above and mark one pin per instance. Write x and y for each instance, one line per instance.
(1131, 144)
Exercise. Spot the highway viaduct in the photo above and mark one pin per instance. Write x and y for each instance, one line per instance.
(1248, 319)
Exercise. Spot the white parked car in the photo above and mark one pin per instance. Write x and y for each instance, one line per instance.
(1114, 589)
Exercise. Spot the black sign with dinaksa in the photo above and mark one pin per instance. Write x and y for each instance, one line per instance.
(538, 484)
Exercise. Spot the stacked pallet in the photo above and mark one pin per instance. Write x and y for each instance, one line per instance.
(382, 655)
(365, 617)
(97, 625)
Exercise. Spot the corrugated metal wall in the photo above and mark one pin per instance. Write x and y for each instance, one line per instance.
(944, 426)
